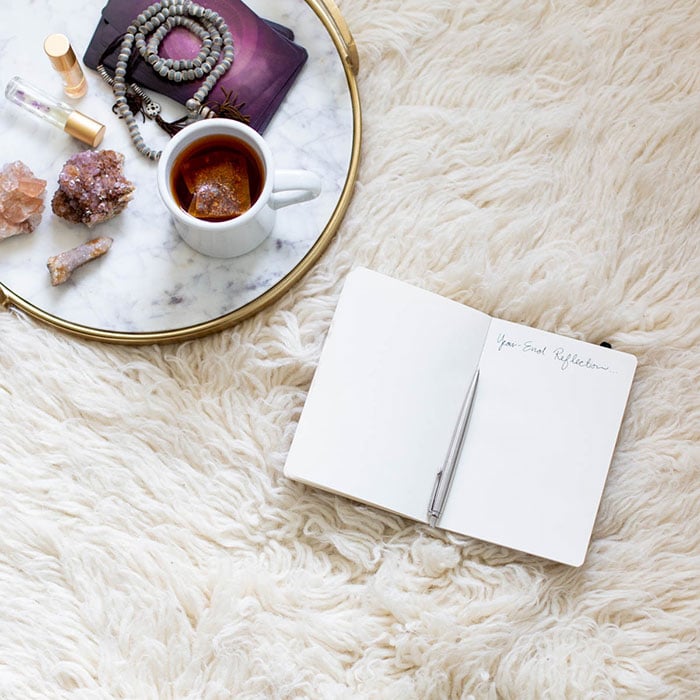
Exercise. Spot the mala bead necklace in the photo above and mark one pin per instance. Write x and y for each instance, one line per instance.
(146, 33)
(141, 101)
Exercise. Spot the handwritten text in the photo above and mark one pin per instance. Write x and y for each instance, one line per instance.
(568, 359)
(565, 359)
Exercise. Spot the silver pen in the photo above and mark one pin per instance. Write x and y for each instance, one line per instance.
(444, 477)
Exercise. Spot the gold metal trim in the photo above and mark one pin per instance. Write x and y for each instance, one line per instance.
(338, 30)
(344, 38)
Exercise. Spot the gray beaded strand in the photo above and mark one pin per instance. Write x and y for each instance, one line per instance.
(147, 32)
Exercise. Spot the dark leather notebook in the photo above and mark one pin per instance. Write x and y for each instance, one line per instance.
(266, 59)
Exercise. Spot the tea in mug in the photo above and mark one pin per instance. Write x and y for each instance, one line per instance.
(217, 178)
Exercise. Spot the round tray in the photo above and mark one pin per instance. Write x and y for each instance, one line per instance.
(151, 287)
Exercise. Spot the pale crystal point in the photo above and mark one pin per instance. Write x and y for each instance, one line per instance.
(62, 266)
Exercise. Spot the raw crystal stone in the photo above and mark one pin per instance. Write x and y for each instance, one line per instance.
(92, 188)
(63, 265)
(21, 199)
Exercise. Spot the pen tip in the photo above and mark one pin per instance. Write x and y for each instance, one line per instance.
(432, 520)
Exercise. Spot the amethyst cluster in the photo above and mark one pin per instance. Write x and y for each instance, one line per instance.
(92, 188)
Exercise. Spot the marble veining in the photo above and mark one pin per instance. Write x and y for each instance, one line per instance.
(151, 281)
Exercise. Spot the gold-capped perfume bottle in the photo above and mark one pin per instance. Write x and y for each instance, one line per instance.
(63, 59)
(61, 115)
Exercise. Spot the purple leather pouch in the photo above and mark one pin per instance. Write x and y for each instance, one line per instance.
(266, 59)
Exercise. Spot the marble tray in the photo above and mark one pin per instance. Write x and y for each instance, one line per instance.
(151, 287)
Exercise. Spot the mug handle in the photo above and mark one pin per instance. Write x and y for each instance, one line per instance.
(294, 186)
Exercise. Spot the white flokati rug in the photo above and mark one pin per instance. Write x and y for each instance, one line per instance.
(538, 160)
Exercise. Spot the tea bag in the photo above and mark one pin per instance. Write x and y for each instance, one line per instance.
(220, 190)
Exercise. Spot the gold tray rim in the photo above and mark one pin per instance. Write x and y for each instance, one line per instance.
(336, 27)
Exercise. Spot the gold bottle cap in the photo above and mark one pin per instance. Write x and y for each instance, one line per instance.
(60, 52)
(84, 128)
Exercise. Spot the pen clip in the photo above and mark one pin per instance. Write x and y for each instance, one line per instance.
(433, 511)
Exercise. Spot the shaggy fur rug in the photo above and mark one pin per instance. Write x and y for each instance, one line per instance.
(534, 159)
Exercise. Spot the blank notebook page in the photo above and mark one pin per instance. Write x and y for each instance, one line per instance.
(383, 403)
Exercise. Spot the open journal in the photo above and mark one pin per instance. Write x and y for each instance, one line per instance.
(384, 406)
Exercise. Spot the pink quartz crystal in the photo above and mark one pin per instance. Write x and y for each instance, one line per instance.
(92, 188)
(21, 199)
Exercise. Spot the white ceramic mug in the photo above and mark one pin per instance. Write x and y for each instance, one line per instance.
(236, 236)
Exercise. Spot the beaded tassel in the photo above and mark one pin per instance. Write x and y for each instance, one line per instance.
(146, 33)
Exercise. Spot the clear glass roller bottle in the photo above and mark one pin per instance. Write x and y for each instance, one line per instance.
(61, 115)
